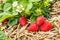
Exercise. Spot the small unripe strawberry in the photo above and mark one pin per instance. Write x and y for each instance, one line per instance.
(40, 20)
(33, 27)
(5, 20)
(46, 26)
(22, 21)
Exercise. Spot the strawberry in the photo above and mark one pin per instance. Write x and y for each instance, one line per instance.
(33, 27)
(22, 21)
(46, 26)
(40, 20)
(5, 20)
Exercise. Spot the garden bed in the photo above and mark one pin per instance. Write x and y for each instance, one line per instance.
(17, 32)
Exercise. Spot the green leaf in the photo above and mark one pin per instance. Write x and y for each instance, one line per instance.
(32, 18)
(29, 6)
(37, 14)
(12, 22)
(14, 11)
(4, 15)
(7, 6)
(34, 0)
(24, 3)
(4, 1)
(2, 36)
(0, 6)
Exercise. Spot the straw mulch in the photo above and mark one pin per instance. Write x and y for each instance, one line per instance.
(20, 33)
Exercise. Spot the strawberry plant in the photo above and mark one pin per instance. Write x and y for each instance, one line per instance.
(3, 36)
(31, 9)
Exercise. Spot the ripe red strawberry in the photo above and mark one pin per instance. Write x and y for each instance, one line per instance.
(46, 26)
(4, 20)
(40, 20)
(33, 27)
(22, 21)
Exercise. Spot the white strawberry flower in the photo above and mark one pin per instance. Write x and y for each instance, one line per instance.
(15, 3)
(20, 8)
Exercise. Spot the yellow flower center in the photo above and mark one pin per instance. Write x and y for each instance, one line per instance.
(20, 8)
(38, 10)
(46, 3)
